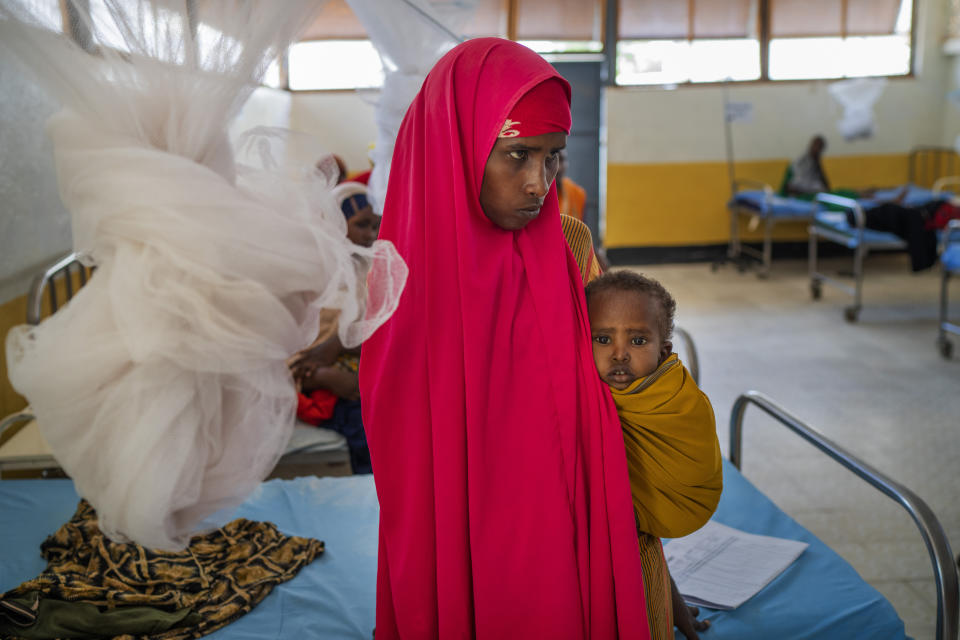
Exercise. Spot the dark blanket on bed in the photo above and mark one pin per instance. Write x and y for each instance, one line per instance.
(94, 588)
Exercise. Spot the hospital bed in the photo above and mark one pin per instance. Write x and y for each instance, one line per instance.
(819, 596)
(24, 451)
(760, 205)
(950, 266)
(834, 226)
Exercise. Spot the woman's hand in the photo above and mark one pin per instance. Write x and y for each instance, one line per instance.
(340, 382)
(320, 355)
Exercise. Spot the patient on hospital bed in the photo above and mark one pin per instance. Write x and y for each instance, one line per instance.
(326, 374)
(884, 210)
(669, 430)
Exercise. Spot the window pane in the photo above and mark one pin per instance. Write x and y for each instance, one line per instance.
(805, 58)
(652, 62)
(335, 20)
(558, 20)
(872, 17)
(805, 18)
(878, 56)
(489, 17)
(334, 64)
(724, 18)
(563, 46)
(720, 60)
(673, 62)
(650, 19)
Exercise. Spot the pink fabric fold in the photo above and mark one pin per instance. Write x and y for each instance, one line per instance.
(497, 452)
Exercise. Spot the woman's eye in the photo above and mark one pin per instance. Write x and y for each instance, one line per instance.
(639, 341)
(518, 155)
(601, 339)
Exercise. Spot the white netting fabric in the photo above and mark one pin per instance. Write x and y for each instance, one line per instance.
(162, 386)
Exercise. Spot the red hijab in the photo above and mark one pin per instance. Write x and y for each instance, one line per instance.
(505, 507)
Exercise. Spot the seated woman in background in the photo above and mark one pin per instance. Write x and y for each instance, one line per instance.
(325, 372)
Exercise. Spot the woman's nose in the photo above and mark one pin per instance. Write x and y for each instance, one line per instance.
(536, 182)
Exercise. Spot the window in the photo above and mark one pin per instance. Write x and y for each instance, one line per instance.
(690, 41)
(336, 54)
(832, 39)
(675, 41)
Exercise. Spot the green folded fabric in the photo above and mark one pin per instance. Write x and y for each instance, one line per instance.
(82, 620)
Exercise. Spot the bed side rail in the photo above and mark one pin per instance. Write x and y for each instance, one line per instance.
(930, 529)
(940, 185)
(47, 281)
(927, 163)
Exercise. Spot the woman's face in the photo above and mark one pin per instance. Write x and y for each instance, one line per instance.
(517, 177)
(363, 226)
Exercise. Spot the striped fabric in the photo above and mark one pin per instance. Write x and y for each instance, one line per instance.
(580, 241)
(656, 585)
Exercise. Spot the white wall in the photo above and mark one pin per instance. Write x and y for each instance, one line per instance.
(686, 124)
(340, 122)
(34, 226)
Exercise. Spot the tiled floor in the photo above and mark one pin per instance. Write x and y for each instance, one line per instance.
(878, 387)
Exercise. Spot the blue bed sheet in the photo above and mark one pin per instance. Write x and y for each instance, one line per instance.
(950, 258)
(819, 596)
(777, 206)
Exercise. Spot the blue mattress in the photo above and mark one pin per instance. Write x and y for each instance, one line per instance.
(950, 258)
(776, 206)
(819, 596)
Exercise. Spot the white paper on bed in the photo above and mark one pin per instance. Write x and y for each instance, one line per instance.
(721, 567)
(162, 387)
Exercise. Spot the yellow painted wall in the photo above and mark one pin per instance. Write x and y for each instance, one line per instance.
(683, 204)
(12, 313)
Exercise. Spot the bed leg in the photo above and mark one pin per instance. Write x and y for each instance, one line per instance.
(943, 343)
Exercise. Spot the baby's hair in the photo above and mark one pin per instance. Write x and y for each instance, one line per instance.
(624, 280)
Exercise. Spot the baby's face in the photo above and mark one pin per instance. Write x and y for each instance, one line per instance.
(627, 344)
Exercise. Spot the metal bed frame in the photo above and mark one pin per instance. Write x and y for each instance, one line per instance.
(736, 250)
(945, 572)
(61, 269)
(945, 326)
(853, 241)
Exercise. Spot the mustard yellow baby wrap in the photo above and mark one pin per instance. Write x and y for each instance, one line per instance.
(673, 454)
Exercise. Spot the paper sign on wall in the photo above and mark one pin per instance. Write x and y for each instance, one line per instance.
(739, 111)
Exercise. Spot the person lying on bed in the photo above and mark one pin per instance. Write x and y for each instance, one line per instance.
(673, 454)
(326, 373)
(806, 178)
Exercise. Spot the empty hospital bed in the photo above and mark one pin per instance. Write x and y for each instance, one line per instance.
(818, 596)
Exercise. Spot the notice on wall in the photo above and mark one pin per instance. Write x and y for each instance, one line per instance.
(739, 112)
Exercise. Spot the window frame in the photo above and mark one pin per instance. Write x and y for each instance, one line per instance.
(763, 37)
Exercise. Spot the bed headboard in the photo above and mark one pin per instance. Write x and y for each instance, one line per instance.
(927, 164)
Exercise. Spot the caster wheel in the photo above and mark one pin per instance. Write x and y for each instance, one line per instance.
(850, 314)
(816, 290)
(763, 275)
(714, 267)
(946, 348)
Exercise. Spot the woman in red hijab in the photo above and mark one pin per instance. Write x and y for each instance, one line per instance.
(505, 507)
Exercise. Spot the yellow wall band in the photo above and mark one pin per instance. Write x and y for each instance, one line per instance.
(682, 204)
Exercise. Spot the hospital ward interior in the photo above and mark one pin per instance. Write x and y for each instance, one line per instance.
(227, 372)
